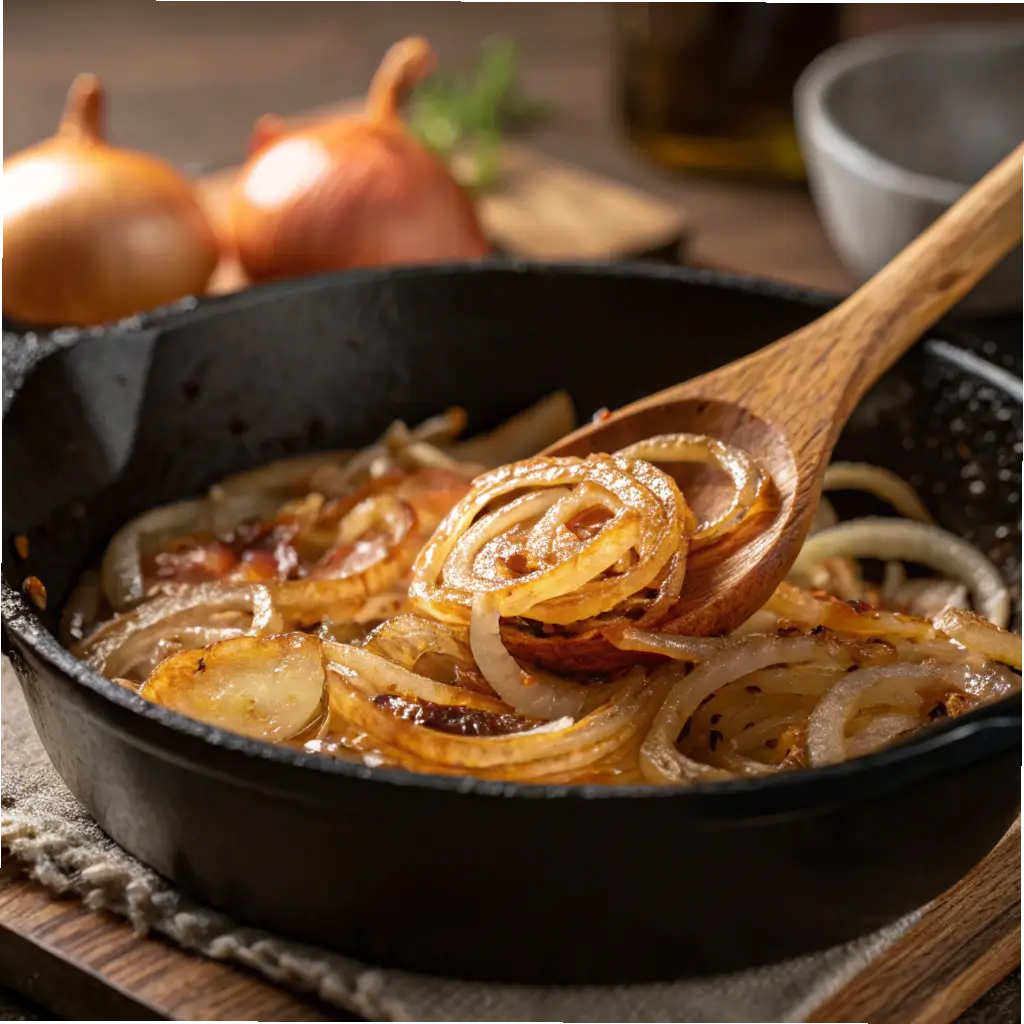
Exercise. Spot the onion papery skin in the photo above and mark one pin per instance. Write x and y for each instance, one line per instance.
(94, 233)
(352, 191)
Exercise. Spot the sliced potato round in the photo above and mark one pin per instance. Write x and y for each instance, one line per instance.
(269, 688)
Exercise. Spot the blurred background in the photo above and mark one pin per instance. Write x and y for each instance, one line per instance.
(187, 80)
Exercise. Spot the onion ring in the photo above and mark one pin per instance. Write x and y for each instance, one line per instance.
(879, 537)
(881, 482)
(659, 759)
(746, 475)
(645, 513)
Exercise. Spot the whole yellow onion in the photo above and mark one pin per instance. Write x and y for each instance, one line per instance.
(356, 191)
(92, 232)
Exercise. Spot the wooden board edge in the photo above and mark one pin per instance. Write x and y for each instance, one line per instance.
(67, 988)
(116, 974)
(964, 943)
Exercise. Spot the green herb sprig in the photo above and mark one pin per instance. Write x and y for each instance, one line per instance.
(463, 118)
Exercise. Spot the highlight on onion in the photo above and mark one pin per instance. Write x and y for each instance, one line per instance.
(92, 232)
(269, 688)
(354, 191)
(401, 606)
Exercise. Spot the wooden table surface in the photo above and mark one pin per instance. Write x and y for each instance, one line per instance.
(186, 81)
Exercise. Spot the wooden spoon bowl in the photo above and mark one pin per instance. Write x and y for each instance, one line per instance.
(787, 403)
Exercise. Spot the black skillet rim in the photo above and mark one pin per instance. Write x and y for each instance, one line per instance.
(20, 618)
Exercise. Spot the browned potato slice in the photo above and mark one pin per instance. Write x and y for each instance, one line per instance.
(267, 688)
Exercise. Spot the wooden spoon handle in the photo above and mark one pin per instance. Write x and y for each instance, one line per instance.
(866, 334)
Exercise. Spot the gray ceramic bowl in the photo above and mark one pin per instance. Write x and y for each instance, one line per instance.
(895, 127)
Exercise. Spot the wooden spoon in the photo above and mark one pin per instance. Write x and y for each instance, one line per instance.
(786, 404)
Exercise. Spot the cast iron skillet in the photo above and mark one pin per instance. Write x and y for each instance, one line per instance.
(455, 875)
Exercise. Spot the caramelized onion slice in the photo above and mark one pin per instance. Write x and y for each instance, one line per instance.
(746, 475)
(977, 634)
(268, 688)
(373, 674)
(560, 745)
(525, 555)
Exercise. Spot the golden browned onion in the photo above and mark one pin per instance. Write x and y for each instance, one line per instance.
(978, 634)
(808, 609)
(268, 688)
(744, 472)
(513, 538)
(373, 674)
(556, 747)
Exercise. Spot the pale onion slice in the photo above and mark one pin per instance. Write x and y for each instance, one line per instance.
(130, 645)
(882, 483)
(824, 517)
(976, 634)
(523, 435)
(281, 478)
(371, 673)
(121, 569)
(923, 543)
(924, 598)
(883, 684)
(422, 453)
(766, 728)
(81, 613)
(267, 688)
(681, 648)
(746, 475)
(659, 759)
(537, 694)
(560, 745)
(879, 731)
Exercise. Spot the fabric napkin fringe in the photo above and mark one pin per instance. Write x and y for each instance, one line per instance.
(61, 865)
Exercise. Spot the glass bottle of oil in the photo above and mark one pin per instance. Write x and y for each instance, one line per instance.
(709, 86)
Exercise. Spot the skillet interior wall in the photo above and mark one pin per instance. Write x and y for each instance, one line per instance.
(129, 419)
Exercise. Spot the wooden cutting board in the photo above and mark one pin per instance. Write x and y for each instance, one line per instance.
(541, 209)
(85, 965)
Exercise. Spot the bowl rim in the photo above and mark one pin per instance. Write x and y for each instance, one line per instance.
(819, 129)
(20, 619)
